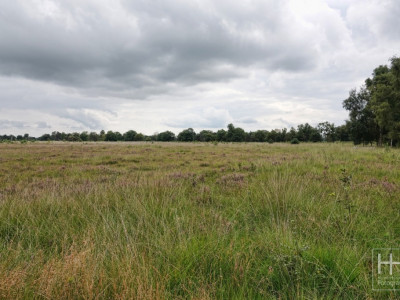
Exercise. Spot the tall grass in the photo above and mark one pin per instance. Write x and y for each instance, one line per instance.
(200, 221)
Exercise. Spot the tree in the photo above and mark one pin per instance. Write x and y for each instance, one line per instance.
(139, 137)
(74, 137)
(342, 133)
(384, 88)
(260, 136)
(129, 135)
(45, 137)
(327, 131)
(102, 136)
(273, 136)
(110, 136)
(362, 126)
(84, 136)
(221, 135)
(291, 135)
(93, 136)
(235, 134)
(304, 132)
(315, 136)
(187, 135)
(206, 136)
(166, 136)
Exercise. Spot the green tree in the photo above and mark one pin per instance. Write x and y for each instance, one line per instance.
(235, 134)
(260, 136)
(187, 135)
(384, 88)
(327, 131)
(129, 135)
(139, 137)
(221, 135)
(166, 136)
(93, 136)
(206, 136)
(362, 126)
(84, 136)
(110, 136)
(102, 135)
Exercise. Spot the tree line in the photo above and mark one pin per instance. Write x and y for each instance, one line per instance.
(303, 133)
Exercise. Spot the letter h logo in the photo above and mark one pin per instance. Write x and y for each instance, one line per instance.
(390, 262)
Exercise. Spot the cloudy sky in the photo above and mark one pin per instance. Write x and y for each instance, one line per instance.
(155, 65)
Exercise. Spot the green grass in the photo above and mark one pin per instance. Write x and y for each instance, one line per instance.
(197, 221)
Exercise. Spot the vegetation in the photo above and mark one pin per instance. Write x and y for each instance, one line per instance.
(194, 220)
(375, 108)
(305, 133)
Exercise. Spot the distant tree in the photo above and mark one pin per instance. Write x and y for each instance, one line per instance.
(166, 136)
(74, 137)
(291, 134)
(342, 133)
(45, 137)
(102, 135)
(139, 137)
(221, 135)
(119, 136)
(187, 135)
(304, 132)
(315, 136)
(57, 136)
(129, 135)
(206, 136)
(235, 134)
(327, 131)
(272, 136)
(93, 136)
(84, 136)
(110, 136)
(260, 136)
(152, 137)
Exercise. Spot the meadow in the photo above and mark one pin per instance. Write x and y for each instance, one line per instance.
(195, 220)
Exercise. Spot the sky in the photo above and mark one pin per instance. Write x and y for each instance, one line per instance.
(156, 65)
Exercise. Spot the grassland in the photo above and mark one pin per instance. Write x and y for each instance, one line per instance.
(198, 221)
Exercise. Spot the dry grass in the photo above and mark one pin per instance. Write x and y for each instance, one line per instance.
(197, 220)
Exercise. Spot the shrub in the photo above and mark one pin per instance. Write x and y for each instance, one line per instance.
(295, 141)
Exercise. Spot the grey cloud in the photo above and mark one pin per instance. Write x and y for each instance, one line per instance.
(209, 117)
(9, 124)
(373, 22)
(248, 121)
(42, 125)
(86, 119)
(147, 44)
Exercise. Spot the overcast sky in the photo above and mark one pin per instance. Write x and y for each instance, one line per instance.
(155, 65)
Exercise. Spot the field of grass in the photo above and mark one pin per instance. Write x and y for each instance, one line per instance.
(197, 221)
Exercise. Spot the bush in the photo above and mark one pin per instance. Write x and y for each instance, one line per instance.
(295, 141)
